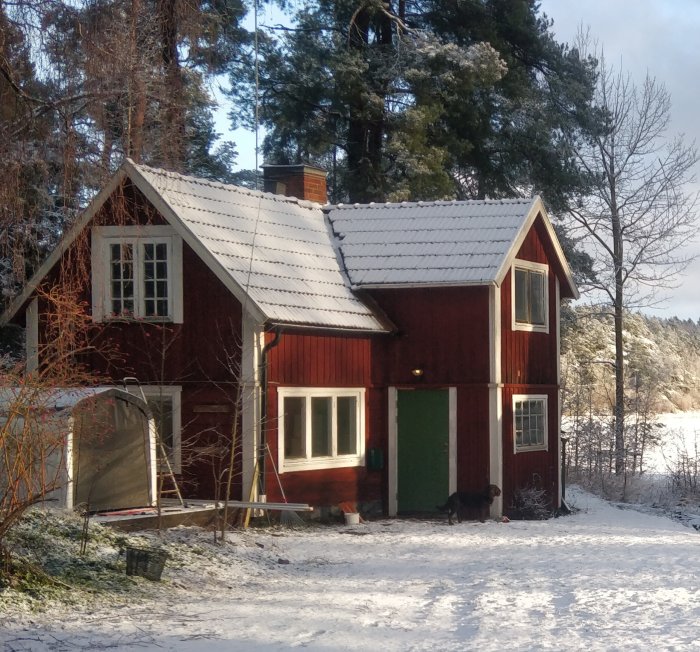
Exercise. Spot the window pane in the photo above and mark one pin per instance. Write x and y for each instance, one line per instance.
(154, 279)
(529, 423)
(321, 426)
(121, 282)
(294, 427)
(347, 425)
(162, 289)
(522, 313)
(537, 298)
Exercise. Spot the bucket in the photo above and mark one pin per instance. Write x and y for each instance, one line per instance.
(145, 562)
(352, 518)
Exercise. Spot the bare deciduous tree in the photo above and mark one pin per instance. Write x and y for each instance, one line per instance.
(640, 210)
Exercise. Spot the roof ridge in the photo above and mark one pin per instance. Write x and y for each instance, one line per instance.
(203, 181)
(434, 202)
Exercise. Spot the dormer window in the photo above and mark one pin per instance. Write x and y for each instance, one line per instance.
(137, 273)
(530, 297)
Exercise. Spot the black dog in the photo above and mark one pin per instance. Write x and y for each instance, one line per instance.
(460, 500)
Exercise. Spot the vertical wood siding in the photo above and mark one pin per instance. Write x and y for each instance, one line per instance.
(537, 469)
(529, 362)
(445, 331)
(320, 360)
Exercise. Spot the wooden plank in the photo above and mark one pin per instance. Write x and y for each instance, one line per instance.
(282, 507)
(211, 409)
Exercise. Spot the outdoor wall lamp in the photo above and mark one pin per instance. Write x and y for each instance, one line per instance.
(417, 371)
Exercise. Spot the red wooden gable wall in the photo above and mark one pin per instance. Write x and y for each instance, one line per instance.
(529, 365)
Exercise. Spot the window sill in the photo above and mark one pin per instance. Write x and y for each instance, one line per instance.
(319, 463)
(137, 320)
(530, 449)
(531, 328)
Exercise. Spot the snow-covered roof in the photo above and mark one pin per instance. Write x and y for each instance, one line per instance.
(277, 250)
(62, 398)
(428, 243)
(294, 262)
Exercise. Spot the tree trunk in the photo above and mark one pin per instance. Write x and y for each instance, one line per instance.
(366, 127)
(173, 142)
(619, 324)
(137, 101)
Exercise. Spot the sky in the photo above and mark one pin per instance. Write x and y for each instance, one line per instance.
(654, 36)
(658, 37)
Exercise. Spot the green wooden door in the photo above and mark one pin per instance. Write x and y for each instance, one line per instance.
(422, 449)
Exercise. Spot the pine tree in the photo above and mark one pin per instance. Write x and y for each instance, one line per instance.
(422, 100)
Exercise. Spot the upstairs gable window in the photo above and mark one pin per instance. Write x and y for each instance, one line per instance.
(137, 273)
(530, 297)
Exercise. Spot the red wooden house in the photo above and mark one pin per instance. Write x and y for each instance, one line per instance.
(386, 354)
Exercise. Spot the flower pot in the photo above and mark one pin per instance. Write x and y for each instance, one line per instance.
(352, 518)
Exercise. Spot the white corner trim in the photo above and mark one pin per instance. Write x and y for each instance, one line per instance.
(496, 445)
(392, 409)
(452, 439)
(495, 398)
(251, 393)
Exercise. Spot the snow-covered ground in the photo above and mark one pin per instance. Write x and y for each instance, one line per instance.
(604, 578)
(681, 435)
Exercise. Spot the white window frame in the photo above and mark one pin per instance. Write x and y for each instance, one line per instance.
(173, 392)
(327, 462)
(537, 447)
(102, 238)
(529, 266)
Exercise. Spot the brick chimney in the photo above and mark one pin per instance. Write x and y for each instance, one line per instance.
(301, 181)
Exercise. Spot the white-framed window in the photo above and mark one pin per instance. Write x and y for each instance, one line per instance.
(529, 422)
(165, 402)
(137, 273)
(321, 428)
(530, 298)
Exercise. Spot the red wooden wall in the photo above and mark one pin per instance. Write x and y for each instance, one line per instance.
(444, 331)
(317, 359)
(529, 365)
(538, 469)
(190, 354)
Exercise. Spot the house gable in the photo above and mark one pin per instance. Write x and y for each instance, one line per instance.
(273, 253)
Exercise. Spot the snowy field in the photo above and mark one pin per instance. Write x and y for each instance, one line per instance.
(602, 579)
(682, 435)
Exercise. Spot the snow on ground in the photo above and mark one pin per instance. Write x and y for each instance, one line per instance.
(681, 436)
(602, 579)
